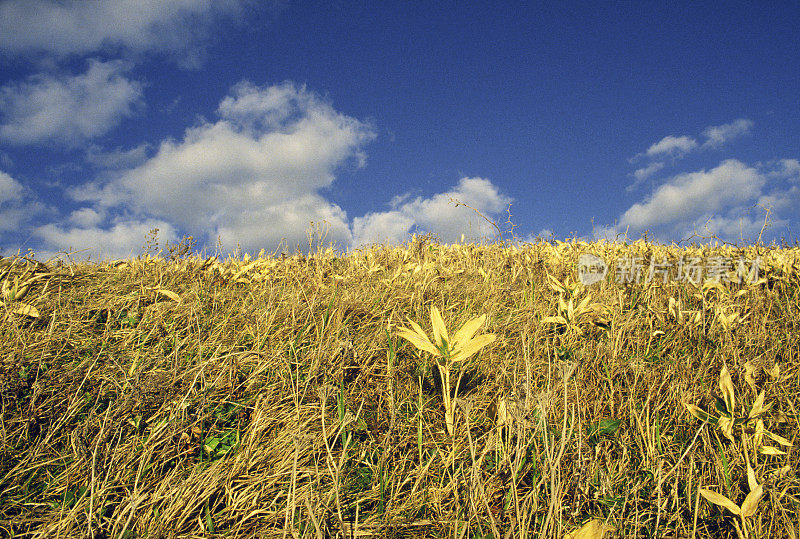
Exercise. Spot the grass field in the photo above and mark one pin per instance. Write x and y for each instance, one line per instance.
(293, 396)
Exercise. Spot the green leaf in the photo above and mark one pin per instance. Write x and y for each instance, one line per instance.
(605, 427)
(211, 444)
(721, 407)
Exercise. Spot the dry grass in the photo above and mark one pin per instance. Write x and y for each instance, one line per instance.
(274, 397)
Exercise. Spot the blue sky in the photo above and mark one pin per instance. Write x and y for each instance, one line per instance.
(242, 122)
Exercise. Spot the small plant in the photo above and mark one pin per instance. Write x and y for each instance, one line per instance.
(182, 249)
(448, 351)
(727, 419)
(750, 504)
(14, 291)
(572, 315)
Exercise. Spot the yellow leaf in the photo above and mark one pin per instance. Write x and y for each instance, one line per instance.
(594, 529)
(555, 284)
(420, 341)
(468, 330)
(473, 346)
(208, 262)
(759, 434)
(26, 310)
(726, 425)
(554, 320)
(245, 269)
(583, 304)
(751, 478)
(771, 451)
(751, 501)
(719, 499)
(758, 406)
(749, 369)
(439, 329)
(168, 293)
(418, 330)
(775, 372)
(562, 305)
(503, 417)
(780, 439)
(673, 307)
(726, 386)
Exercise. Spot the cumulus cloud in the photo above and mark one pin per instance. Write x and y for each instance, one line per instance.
(86, 217)
(740, 224)
(718, 135)
(437, 214)
(250, 178)
(672, 146)
(696, 193)
(728, 200)
(253, 178)
(68, 109)
(62, 28)
(16, 206)
(10, 189)
(285, 224)
(124, 239)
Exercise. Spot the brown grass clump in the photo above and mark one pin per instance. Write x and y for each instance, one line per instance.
(288, 396)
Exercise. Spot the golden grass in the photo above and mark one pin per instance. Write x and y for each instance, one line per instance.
(196, 397)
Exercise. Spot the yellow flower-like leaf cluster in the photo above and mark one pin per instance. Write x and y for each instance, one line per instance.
(448, 351)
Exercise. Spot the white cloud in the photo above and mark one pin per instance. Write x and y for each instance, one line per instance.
(12, 212)
(117, 159)
(286, 223)
(672, 146)
(86, 217)
(677, 147)
(10, 189)
(388, 227)
(729, 200)
(16, 207)
(642, 174)
(786, 168)
(688, 196)
(70, 27)
(68, 109)
(437, 214)
(718, 135)
(124, 239)
(738, 225)
(251, 177)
